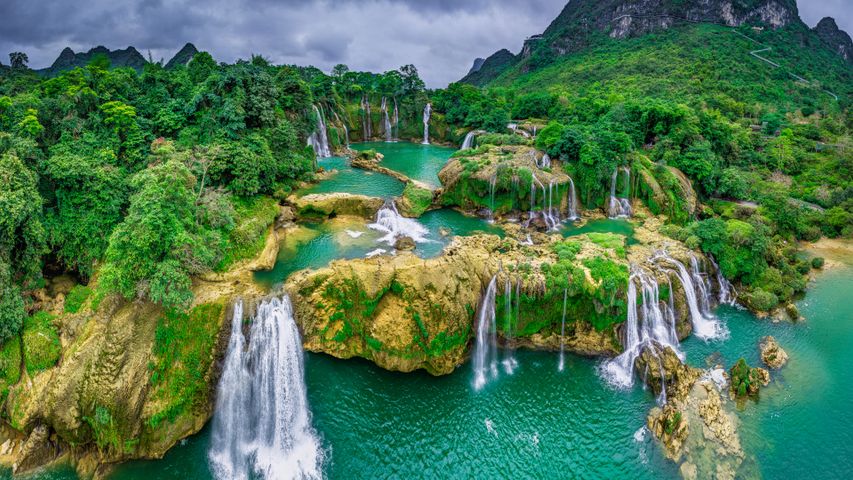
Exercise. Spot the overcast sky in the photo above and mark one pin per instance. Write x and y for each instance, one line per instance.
(441, 37)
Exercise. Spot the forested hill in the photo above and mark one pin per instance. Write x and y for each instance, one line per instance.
(585, 24)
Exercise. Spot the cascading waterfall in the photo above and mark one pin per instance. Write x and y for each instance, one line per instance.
(573, 201)
(705, 326)
(468, 143)
(509, 361)
(620, 207)
(703, 285)
(544, 162)
(368, 127)
(389, 136)
(319, 140)
(394, 226)
(561, 365)
(262, 423)
(427, 113)
(485, 355)
(645, 324)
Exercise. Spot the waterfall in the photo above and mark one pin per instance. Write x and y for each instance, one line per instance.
(552, 213)
(544, 162)
(492, 184)
(573, 201)
(343, 124)
(645, 323)
(705, 325)
(389, 137)
(368, 127)
(427, 113)
(726, 293)
(394, 226)
(562, 363)
(320, 139)
(485, 356)
(468, 143)
(396, 119)
(620, 207)
(703, 285)
(509, 361)
(262, 424)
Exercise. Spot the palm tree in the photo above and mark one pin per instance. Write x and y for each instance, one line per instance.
(18, 59)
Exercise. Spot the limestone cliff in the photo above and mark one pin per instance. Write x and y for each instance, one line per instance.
(834, 38)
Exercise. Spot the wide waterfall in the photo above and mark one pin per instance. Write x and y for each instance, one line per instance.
(485, 350)
(653, 321)
(319, 140)
(573, 201)
(427, 113)
(262, 424)
(389, 134)
(368, 127)
(620, 207)
(394, 226)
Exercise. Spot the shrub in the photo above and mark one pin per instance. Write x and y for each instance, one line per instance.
(818, 262)
(763, 301)
(76, 298)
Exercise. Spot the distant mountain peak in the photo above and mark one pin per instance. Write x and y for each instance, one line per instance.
(183, 57)
(68, 59)
(836, 39)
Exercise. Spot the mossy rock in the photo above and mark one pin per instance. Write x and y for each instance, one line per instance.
(42, 348)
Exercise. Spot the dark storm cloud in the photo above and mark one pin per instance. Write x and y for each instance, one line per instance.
(441, 37)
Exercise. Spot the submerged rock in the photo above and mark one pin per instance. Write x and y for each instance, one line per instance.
(405, 244)
(772, 354)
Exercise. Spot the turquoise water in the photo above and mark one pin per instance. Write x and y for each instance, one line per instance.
(546, 424)
(354, 180)
(416, 161)
(605, 225)
(315, 245)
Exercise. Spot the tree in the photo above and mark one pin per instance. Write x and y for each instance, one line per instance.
(411, 81)
(18, 60)
(159, 245)
(339, 70)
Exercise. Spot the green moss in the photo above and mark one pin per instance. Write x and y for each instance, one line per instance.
(41, 343)
(420, 199)
(10, 365)
(610, 241)
(253, 217)
(745, 380)
(76, 298)
(182, 356)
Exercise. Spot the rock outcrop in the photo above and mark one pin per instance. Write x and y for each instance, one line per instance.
(836, 39)
(772, 354)
(334, 204)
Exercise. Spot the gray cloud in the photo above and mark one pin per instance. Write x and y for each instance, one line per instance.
(441, 37)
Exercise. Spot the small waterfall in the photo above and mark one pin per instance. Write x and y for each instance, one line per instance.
(620, 207)
(544, 162)
(468, 143)
(396, 119)
(427, 113)
(509, 361)
(703, 285)
(262, 423)
(573, 201)
(705, 325)
(552, 213)
(726, 293)
(343, 124)
(485, 356)
(645, 324)
(562, 363)
(368, 127)
(492, 184)
(389, 134)
(320, 139)
(394, 226)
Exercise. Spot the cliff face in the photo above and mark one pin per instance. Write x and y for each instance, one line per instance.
(835, 38)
